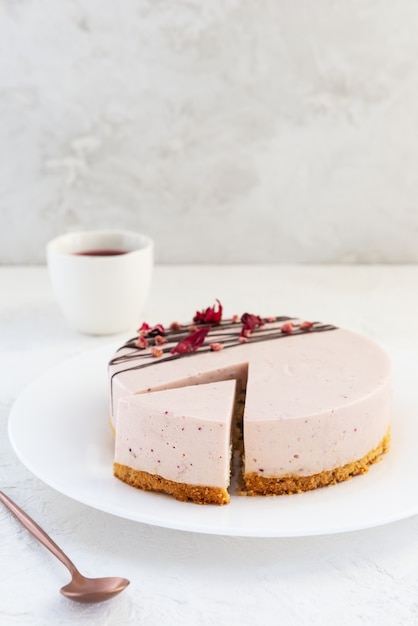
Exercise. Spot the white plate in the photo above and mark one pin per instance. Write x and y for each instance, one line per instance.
(59, 429)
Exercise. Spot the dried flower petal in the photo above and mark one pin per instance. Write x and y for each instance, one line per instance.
(287, 327)
(192, 342)
(249, 323)
(234, 319)
(156, 352)
(141, 342)
(144, 326)
(158, 329)
(306, 325)
(243, 339)
(160, 340)
(216, 347)
(175, 326)
(209, 316)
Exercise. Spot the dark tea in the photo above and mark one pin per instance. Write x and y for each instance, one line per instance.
(105, 252)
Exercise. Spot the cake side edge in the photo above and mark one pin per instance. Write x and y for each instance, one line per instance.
(256, 485)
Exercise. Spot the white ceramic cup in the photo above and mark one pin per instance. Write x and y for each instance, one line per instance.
(101, 292)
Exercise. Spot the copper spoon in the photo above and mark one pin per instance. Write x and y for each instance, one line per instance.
(80, 588)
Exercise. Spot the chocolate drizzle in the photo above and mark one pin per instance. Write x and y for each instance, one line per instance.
(218, 334)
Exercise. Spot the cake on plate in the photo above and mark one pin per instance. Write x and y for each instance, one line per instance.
(305, 404)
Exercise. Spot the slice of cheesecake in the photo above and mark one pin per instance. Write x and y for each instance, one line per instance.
(178, 441)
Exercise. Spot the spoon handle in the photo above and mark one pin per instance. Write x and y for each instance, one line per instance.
(37, 532)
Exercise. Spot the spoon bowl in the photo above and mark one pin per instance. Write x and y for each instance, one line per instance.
(83, 589)
(80, 588)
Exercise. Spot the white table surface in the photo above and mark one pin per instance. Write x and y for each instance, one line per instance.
(362, 577)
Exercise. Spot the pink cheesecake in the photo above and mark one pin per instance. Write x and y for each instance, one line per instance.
(312, 405)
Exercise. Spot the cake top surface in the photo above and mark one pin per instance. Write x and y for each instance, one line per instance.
(290, 368)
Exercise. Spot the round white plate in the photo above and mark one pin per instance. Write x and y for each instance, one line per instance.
(59, 429)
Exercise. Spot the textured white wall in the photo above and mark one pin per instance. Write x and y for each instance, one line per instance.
(229, 130)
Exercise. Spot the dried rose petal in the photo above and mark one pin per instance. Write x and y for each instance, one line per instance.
(157, 329)
(234, 319)
(141, 342)
(242, 339)
(160, 340)
(249, 323)
(306, 325)
(192, 329)
(156, 352)
(175, 326)
(209, 316)
(216, 347)
(144, 326)
(192, 342)
(287, 327)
